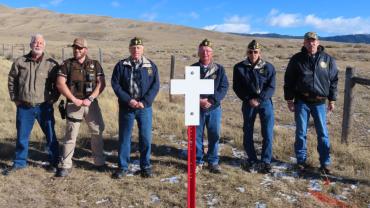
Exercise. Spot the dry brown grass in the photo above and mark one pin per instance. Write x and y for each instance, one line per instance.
(88, 188)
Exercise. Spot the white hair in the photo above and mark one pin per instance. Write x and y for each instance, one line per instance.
(34, 37)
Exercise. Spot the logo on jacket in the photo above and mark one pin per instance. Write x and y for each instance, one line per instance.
(92, 66)
(150, 71)
(323, 64)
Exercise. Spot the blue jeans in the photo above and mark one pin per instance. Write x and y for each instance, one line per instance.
(126, 123)
(302, 117)
(26, 116)
(211, 120)
(266, 114)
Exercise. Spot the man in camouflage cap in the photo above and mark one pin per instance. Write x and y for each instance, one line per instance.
(210, 107)
(81, 80)
(310, 80)
(135, 81)
(254, 84)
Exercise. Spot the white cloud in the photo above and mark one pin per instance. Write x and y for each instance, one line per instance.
(149, 16)
(282, 19)
(233, 24)
(55, 2)
(233, 28)
(339, 25)
(335, 25)
(115, 4)
(194, 15)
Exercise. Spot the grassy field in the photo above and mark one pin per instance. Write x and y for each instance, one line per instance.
(33, 187)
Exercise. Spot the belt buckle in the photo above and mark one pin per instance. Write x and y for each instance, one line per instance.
(31, 105)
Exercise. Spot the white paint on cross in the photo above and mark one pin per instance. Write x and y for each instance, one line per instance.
(192, 86)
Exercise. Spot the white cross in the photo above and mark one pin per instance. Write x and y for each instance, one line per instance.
(192, 86)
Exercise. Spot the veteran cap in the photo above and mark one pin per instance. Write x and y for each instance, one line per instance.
(205, 42)
(136, 41)
(253, 45)
(310, 35)
(80, 42)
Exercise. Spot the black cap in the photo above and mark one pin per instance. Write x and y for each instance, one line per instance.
(253, 45)
(205, 42)
(136, 41)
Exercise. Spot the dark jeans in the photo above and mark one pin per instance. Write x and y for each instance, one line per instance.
(266, 113)
(302, 117)
(26, 116)
(211, 120)
(126, 123)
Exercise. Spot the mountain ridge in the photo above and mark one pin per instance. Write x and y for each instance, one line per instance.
(354, 38)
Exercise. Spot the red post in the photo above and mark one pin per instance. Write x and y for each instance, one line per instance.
(191, 166)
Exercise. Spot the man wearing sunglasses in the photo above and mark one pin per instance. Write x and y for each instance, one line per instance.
(254, 84)
(311, 79)
(135, 81)
(81, 80)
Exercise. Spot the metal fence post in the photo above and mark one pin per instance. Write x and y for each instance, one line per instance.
(100, 57)
(172, 74)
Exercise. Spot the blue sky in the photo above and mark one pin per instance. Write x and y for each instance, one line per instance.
(288, 17)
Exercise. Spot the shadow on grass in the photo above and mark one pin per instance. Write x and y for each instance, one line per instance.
(37, 153)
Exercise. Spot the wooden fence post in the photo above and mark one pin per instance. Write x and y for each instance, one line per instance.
(172, 74)
(62, 54)
(4, 49)
(24, 49)
(100, 57)
(347, 105)
(12, 51)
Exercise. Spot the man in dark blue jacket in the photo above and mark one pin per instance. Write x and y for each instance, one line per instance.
(210, 107)
(254, 84)
(135, 81)
(310, 79)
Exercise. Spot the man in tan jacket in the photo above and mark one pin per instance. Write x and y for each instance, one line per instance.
(31, 84)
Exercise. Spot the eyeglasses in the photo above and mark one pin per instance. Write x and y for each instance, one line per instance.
(252, 52)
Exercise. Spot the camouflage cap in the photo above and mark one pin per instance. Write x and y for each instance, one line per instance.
(310, 35)
(80, 42)
(253, 45)
(136, 41)
(205, 42)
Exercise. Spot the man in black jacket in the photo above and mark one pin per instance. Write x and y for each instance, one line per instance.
(210, 107)
(310, 79)
(254, 84)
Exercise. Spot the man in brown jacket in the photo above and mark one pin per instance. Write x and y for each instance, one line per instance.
(81, 80)
(31, 84)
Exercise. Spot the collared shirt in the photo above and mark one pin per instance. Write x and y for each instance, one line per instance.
(134, 87)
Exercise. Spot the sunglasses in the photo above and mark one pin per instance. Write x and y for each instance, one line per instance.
(78, 48)
(252, 52)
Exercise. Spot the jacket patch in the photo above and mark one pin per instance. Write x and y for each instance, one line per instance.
(150, 71)
(323, 65)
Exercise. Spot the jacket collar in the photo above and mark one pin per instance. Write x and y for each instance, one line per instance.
(212, 68)
(145, 62)
(29, 57)
(320, 49)
(261, 63)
